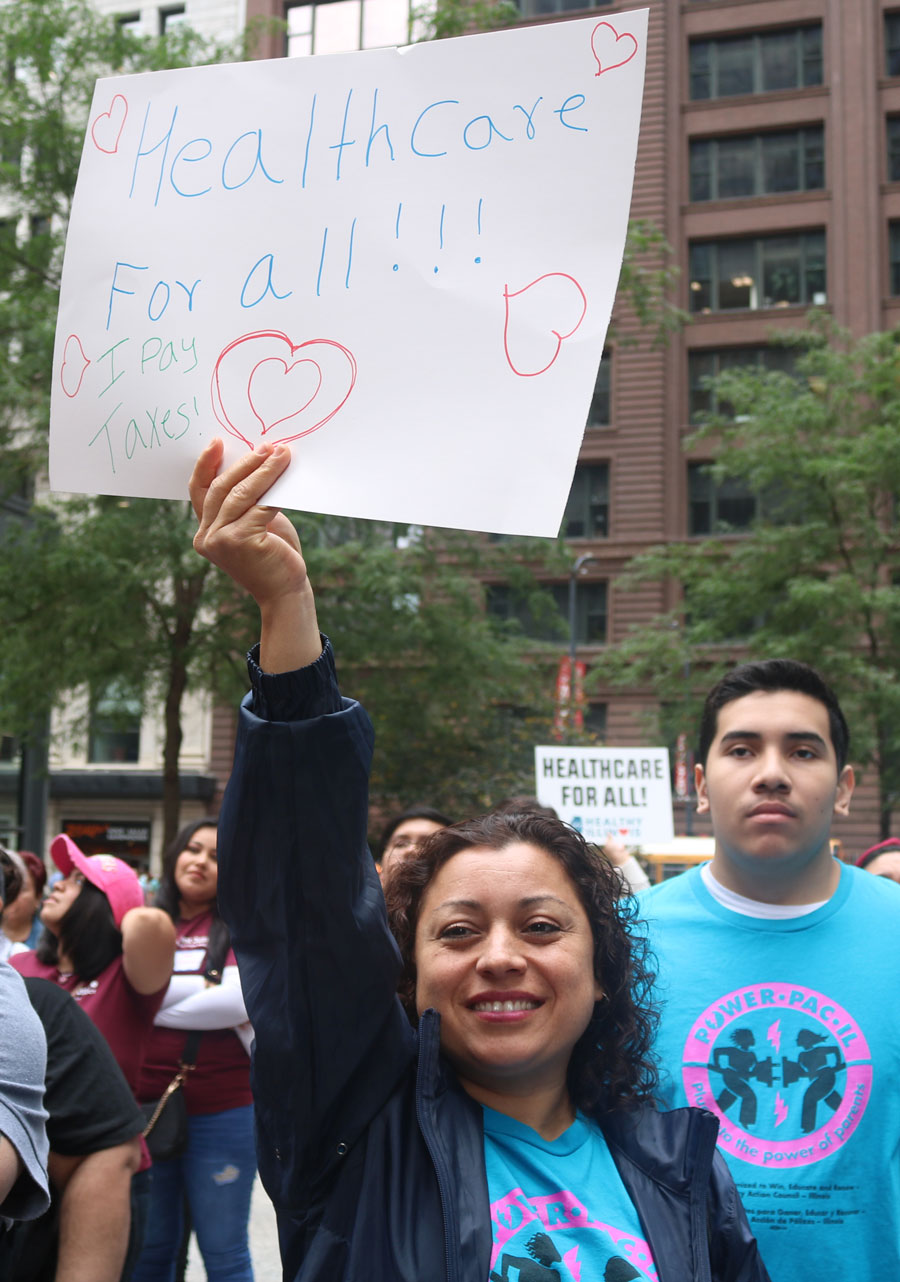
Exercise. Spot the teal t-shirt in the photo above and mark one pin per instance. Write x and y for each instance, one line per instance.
(559, 1209)
(789, 1032)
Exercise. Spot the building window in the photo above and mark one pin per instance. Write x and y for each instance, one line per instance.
(343, 26)
(893, 149)
(760, 63)
(171, 17)
(892, 44)
(895, 257)
(757, 164)
(599, 412)
(768, 271)
(115, 725)
(543, 8)
(595, 719)
(587, 511)
(548, 620)
(717, 507)
(706, 365)
(130, 22)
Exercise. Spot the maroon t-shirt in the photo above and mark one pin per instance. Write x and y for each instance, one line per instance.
(221, 1079)
(124, 1016)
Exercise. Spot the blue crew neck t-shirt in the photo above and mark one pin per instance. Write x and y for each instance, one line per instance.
(559, 1209)
(789, 1032)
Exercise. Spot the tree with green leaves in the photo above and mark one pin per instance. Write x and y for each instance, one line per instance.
(815, 576)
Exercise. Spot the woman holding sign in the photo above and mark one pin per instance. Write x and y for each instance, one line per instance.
(494, 1118)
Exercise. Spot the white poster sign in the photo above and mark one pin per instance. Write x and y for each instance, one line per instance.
(620, 792)
(401, 261)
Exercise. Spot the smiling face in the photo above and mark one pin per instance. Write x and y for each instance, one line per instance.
(61, 899)
(197, 873)
(504, 952)
(772, 787)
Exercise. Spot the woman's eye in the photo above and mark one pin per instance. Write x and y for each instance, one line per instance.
(456, 931)
(543, 928)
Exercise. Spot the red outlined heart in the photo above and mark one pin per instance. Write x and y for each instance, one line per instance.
(106, 128)
(623, 832)
(263, 381)
(604, 39)
(530, 334)
(74, 366)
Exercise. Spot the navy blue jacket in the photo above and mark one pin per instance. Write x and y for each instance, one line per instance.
(371, 1152)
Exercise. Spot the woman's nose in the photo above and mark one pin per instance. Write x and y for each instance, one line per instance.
(501, 951)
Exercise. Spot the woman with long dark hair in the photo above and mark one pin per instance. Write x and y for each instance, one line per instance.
(498, 1114)
(204, 995)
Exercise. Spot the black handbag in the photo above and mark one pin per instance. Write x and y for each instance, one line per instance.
(166, 1129)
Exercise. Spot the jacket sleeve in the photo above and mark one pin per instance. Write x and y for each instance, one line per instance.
(733, 1250)
(299, 891)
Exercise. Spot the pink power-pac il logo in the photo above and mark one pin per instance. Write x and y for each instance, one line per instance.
(786, 1070)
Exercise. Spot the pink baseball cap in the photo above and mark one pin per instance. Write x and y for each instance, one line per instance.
(114, 877)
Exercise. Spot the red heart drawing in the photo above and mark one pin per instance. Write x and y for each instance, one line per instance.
(529, 333)
(74, 366)
(623, 832)
(604, 48)
(275, 385)
(260, 383)
(106, 129)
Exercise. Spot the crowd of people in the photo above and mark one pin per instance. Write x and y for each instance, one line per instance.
(496, 1052)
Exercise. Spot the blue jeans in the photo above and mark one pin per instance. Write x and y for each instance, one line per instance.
(215, 1175)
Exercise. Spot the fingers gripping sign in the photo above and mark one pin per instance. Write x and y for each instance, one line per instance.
(257, 547)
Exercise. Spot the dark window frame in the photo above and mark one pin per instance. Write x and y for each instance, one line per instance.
(708, 499)
(810, 142)
(708, 62)
(588, 504)
(706, 363)
(591, 611)
(712, 290)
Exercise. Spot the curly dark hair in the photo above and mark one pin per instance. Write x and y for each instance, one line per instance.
(169, 899)
(612, 1066)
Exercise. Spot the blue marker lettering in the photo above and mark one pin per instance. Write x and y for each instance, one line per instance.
(529, 117)
(190, 160)
(373, 132)
(163, 142)
(189, 292)
(339, 146)
(492, 129)
(268, 287)
(114, 288)
(159, 284)
(444, 102)
(578, 100)
(258, 162)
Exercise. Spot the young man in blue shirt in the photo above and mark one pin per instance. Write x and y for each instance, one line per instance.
(777, 966)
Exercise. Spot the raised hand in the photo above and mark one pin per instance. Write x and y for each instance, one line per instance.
(258, 547)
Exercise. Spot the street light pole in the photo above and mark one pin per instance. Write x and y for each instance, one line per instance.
(576, 569)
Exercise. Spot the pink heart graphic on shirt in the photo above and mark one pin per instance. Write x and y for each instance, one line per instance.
(106, 128)
(539, 318)
(263, 381)
(604, 39)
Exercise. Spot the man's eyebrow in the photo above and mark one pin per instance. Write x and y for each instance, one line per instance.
(793, 736)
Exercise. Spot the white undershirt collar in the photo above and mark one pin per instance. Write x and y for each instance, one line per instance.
(753, 907)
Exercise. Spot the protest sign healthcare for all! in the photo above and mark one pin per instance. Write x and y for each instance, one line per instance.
(402, 261)
(621, 792)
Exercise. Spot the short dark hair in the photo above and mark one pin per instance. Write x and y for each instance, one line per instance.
(169, 899)
(10, 880)
(418, 811)
(522, 804)
(88, 935)
(771, 675)
(612, 1065)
